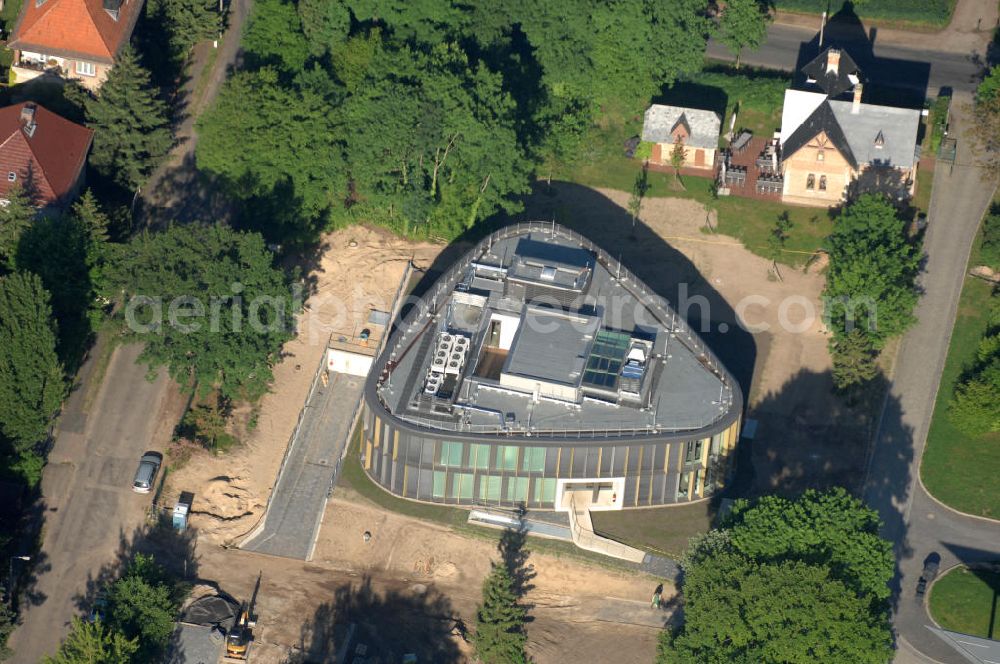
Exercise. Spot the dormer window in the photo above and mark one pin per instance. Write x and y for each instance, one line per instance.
(879, 141)
(112, 7)
(12, 177)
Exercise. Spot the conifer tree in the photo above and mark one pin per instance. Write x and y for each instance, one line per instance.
(93, 643)
(130, 123)
(16, 216)
(31, 379)
(191, 21)
(500, 637)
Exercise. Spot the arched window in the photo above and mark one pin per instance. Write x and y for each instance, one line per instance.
(811, 181)
(822, 183)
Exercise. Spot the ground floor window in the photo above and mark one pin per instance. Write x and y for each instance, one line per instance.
(86, 68)
(517, 489)
(437, 491)
(461, 486)
(544, 491)
(489, 487)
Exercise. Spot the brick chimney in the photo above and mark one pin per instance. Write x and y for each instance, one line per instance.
(833, 61)
(28, 119)
(856, 104)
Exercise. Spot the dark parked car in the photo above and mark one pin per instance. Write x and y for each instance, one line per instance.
(145, 474)
(927, 575)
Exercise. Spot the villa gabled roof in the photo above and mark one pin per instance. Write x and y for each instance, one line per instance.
(875, 134)
(47, 162)
(75, 28)
(822, 121)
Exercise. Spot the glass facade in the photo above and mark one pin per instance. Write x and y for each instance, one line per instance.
(419, 466)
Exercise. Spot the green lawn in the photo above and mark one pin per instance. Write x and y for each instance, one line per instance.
(967, 601)
(758, 96)
(660, 529)
(957, 469)
(896, 13)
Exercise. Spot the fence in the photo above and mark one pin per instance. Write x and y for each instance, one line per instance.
(412, 325)
(259, 525)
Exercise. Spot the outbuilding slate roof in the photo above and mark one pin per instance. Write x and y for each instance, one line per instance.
(75, 28)
(52, 156)
(882, 135)
(660, 120)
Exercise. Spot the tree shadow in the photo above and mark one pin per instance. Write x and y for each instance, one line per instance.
(184, 194)
(382, 626)
(694, 95)
(174, 551)
(514, 555)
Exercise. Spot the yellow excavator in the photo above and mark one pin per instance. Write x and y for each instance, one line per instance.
(240, 637)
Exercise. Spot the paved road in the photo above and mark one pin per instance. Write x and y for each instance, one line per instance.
(299, 498)
(86, 486)
(916, 523)
(918, 67)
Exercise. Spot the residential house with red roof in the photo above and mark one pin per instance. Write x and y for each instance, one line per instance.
(71, 38)
(42, 153)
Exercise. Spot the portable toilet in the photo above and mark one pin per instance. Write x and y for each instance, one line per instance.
(181, 510)
(181, 516)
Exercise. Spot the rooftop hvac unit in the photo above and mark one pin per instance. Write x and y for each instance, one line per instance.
(453, 367)
(461, 341)
(437, 366)
(445, 337)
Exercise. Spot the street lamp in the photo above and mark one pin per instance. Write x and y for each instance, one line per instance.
(10, 578)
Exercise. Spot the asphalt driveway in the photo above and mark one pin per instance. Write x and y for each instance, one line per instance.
(88, 502)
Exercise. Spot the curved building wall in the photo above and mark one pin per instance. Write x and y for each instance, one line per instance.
(432, 466)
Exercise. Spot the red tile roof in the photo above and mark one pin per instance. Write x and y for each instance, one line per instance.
(74, 28)
(48, 162)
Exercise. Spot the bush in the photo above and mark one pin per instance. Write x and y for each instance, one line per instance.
(939, 121)
(989, 253)
(644, 150)
(929, 12)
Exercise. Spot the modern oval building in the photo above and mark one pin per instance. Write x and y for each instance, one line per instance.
(537, 368)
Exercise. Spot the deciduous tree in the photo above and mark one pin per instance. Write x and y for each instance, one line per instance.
(786, 582)
(141, 607)
(209, 305)
(743, 24)
(870, 283)
(785, 612)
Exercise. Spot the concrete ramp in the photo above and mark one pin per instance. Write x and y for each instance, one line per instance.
(582, 529)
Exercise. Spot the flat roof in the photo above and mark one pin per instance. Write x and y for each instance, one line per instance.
(552, 344)
(611, 359)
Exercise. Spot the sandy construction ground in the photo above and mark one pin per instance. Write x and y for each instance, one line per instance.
(421, 581)
(359, 270)
(417, 584)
